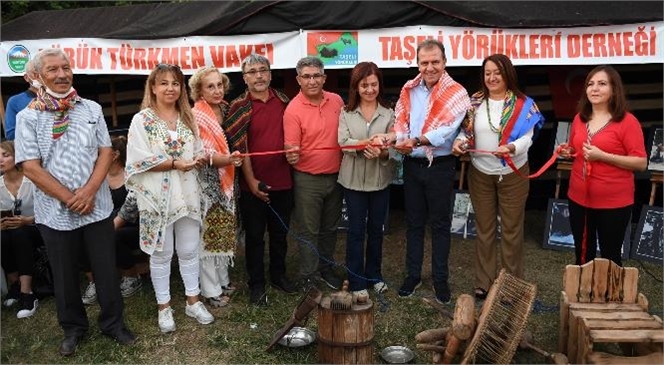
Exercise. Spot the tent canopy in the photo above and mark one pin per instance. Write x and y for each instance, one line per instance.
(211, 18)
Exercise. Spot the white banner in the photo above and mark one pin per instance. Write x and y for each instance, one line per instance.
(139, 57)
(619, 44)
(388, 48)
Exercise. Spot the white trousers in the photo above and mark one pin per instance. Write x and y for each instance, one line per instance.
(214, 275)
(184, 236)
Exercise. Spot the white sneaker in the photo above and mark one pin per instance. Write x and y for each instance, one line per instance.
(360, 296)
(198, 311)
(90, 295)
(130, 285)
(166, 321)
(380, 287)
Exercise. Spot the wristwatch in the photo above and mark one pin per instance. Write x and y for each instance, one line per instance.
(418, 143)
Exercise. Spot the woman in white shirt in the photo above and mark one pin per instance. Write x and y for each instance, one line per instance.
(164, 151)
(20, 236)
(503, 120)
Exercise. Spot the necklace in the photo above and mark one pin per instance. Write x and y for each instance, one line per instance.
(169, 118)
(501, 125)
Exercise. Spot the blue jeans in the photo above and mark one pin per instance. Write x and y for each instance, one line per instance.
(428, 198)
(366, 213)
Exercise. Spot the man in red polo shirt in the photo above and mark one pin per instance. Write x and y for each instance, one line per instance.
(255, 124)
(311, 121)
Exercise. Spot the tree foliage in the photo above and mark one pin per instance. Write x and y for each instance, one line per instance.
(14, 9)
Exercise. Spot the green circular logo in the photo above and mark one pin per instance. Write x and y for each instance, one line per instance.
(17, 57)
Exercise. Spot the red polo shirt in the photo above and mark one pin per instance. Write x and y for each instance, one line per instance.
(266, 133)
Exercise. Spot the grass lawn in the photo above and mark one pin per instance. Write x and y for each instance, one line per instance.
(241, 332)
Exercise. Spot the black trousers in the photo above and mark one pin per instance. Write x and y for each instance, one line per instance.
(428, 198)
(605, 226)
(18, 249)
(126, 241)
(64, 248)
(256, 217)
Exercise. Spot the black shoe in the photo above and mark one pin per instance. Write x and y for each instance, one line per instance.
(284, 285)
(480, 294)
(442, 291)
(409, 286)
(69, 344)
(307, 283)
(257, 296)
(28, 305)
(331, 279)
(123, 337)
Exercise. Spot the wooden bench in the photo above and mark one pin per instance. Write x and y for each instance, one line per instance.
(631, 328)
(596, 296)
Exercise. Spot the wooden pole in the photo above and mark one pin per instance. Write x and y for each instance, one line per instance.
(114, 104)
(655, 179)
(2, 113)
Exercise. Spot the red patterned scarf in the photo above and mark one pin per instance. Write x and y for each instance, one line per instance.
(214, 139)
(61, 106)
(448, 99)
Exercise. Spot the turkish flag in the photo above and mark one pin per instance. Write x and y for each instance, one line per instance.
(567, 87)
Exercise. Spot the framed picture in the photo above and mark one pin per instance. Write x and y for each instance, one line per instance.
(463, 215)
(562, 133)
(343, 222)
(558, 233)
(656, 157)
(398, 179)
(647, 243)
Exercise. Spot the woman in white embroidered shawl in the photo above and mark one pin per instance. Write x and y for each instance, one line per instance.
(207, 89)
(163, 153)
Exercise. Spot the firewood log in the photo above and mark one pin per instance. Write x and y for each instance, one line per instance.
(430, 347)
(437, 358)
(432, 335)
(463, 324)
(451, 349)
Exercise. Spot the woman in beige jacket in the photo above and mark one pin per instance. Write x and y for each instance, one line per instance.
(366, 176)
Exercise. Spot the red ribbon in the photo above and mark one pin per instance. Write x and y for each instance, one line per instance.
(506, 156)
(510, 163)
(334, 148)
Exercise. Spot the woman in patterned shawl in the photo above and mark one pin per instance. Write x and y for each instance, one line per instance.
(504, 120)
(163, 152)
(208, 87)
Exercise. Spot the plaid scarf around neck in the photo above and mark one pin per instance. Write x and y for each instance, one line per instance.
(447, 99)
(237, 121)
(61, 106)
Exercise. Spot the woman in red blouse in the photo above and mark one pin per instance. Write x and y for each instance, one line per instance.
(606, 144)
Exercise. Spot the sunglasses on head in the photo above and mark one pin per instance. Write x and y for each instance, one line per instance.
(168, 66)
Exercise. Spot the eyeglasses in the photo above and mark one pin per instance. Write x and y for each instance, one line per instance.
(315, 77)
(257, 72)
